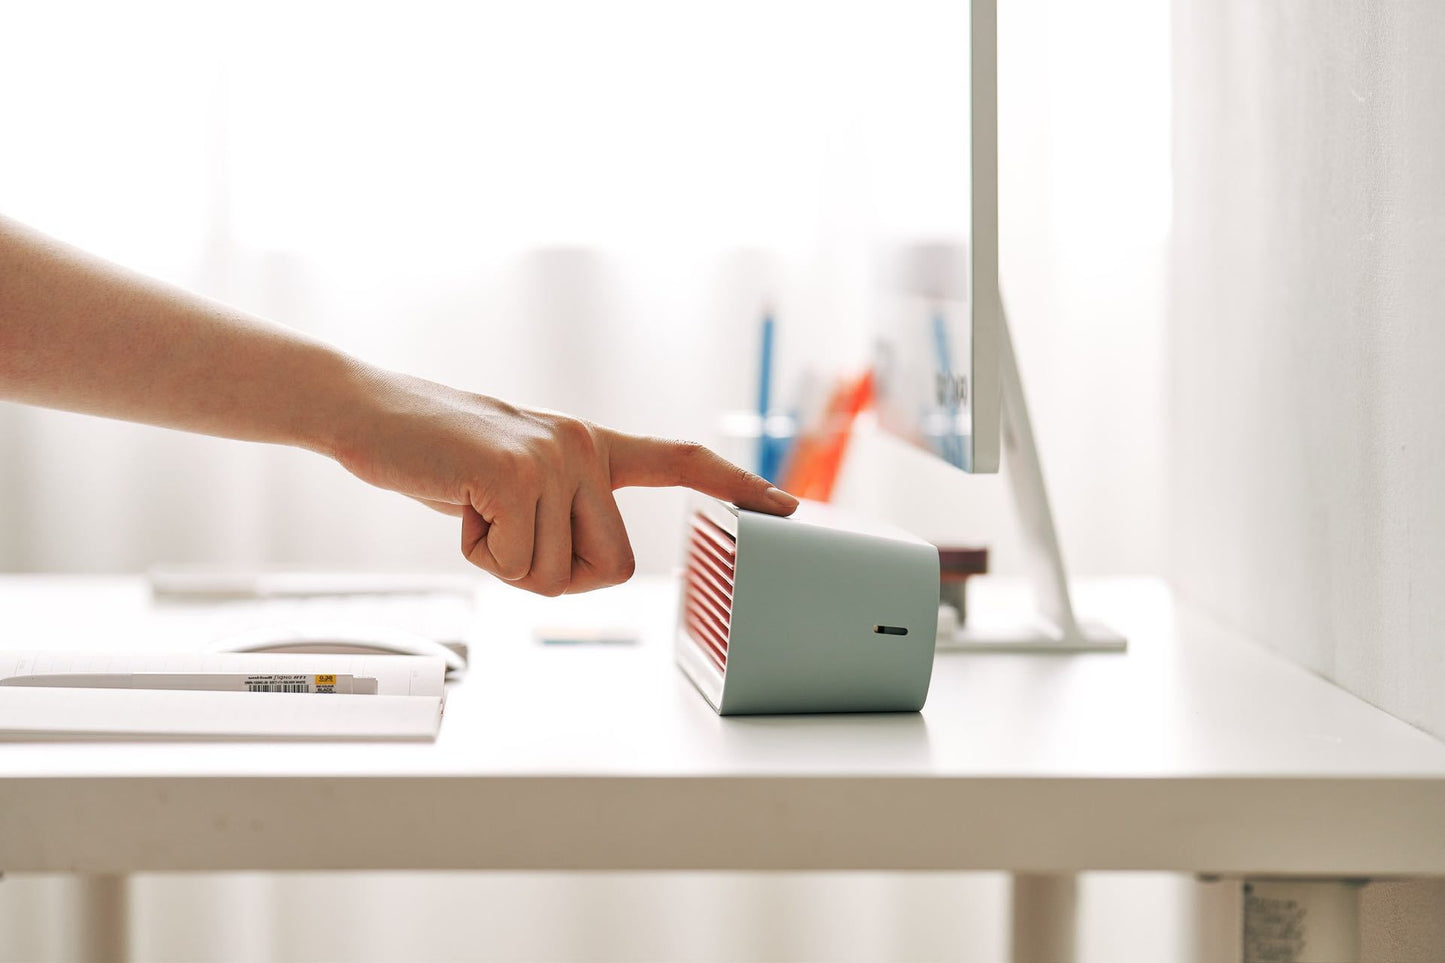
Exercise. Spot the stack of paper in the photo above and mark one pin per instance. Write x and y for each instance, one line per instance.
(406, 704)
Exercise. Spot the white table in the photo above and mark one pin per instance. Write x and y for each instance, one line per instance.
(1194, 752)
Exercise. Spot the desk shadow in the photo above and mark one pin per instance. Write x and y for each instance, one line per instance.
(883, 741)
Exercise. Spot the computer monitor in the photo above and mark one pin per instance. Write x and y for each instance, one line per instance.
(946, 377)
(936, 360)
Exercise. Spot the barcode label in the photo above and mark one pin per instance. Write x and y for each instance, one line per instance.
(277, 687)
(298, 682)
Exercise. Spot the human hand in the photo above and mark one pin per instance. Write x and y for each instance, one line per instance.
(533, 488)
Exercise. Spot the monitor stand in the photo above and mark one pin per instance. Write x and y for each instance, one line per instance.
(1053, 627)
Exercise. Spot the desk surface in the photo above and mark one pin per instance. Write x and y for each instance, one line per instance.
(1192, 752)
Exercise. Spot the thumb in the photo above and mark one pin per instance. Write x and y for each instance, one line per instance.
(638, 460)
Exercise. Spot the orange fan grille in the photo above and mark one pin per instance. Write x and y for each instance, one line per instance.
(708, 596)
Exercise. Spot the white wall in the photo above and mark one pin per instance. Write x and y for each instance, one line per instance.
(1307, 475)
(1306, 343)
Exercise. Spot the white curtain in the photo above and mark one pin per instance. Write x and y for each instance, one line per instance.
(576, 205)
(580, 206)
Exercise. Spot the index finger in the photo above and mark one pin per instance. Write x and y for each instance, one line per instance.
(639, 460)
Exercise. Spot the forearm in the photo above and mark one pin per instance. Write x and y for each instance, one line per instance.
(533, 489)
(80, 334)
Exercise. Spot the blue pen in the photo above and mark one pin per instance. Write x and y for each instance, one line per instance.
(767, 461)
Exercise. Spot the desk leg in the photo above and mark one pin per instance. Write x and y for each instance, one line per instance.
(1215, 933)
(1043, 918)
(100, 919)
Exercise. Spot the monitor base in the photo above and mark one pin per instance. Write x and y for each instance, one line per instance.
(1036, 637)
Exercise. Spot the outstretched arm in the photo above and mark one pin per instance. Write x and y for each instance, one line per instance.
(533, 488)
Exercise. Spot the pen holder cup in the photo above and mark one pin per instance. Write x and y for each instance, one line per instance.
(759, 444)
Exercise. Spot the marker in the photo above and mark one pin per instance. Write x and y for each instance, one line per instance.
(767, 466)
(951, 443)
(308, 682)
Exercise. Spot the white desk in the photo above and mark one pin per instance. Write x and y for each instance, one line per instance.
(1194, 752)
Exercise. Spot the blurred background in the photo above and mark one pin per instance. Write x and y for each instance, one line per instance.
(586, 207)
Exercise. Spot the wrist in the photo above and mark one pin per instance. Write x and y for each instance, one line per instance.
(349, 393)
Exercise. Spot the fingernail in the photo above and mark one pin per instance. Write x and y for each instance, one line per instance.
(781, 497)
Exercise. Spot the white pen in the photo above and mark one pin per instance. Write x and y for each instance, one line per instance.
(311, 682)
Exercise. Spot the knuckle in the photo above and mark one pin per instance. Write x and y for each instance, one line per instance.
(522, 471)
(547, 451)
(471, 541)
(513, 573)
(552, 587)
(480, 556)
(616, 566)
(507, 460)
(747, 479)
(692, 452)
(574, 434)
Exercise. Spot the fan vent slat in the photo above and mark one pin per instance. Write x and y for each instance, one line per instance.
(708, 588)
